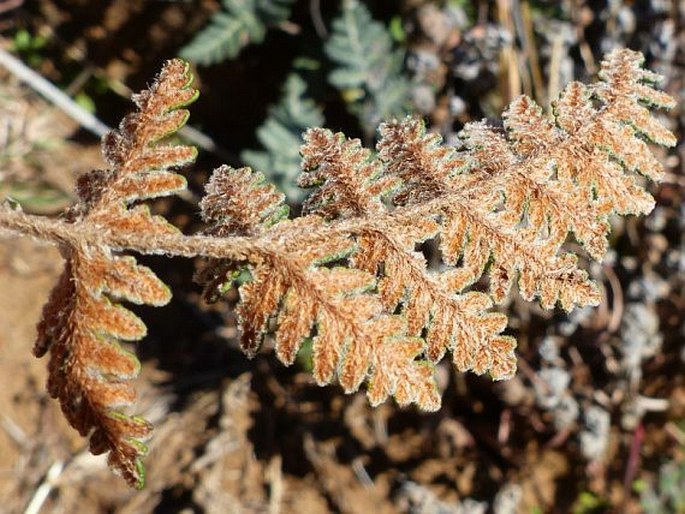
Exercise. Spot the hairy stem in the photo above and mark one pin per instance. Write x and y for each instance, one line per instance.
(80, 233)
(235, 248)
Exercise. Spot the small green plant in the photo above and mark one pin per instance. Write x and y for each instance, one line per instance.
(590, 503)
(30, 46)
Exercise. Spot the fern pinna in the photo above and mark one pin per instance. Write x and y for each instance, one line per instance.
(83, 321)
(346, 274)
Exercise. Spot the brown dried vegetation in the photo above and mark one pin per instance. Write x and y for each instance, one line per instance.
(346, 274)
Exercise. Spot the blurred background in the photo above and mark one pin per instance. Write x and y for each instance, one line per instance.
(593, 422)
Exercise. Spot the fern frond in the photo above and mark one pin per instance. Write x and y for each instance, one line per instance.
(535, 184)
(350, 332)
(368, 67)
(238, 24)
(82, 322)
(502, 206)
(570, 176)
(351, 183)
(346, 274)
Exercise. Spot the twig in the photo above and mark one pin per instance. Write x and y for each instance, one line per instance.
(90, 122)
(8, 5)
(361, 473)
(675, 432)
(45, 487)
(553, 86)
(51, 93)
(528, 37)
(274, 475)
(504, 430)
(15, 432)
(508, 58)
(617, 310)
(317, 19)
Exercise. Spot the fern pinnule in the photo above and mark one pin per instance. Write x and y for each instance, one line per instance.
(627, 91)
(82, 324)
(347, 180)
(425, 168)
(133, 148)
(395, 370)
(238, 203)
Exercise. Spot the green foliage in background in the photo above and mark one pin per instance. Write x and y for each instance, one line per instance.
(590, 503)
(281, 137)
(368, 67)
(238, 24)
(30, 47)
(667, 496)
(363, 55)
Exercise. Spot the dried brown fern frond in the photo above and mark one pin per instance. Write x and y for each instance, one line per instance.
(82, 322)
(347, 274)
(503, 206)
(544, 178)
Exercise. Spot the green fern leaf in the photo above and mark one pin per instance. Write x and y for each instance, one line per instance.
(368, 68)
(281, 137)
(238, 24)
